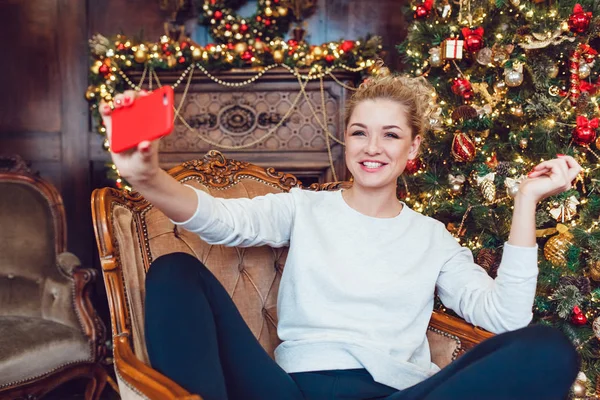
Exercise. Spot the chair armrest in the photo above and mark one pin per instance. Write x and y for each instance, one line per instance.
(83, 279)
(142, 378)
(469, 335)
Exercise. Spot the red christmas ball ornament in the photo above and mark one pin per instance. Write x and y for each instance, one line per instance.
(462, 87)
(164, 47)
(347, 45)
(184, 45)
(292, 43)
(228, 26)
(244, 28)
(579, 21)
(578, 318)
(181, 60)
(120, 47)
(247, 55)
(104, 69)
(463, 148)
(423, 10)
(329, 58)
(267, 22)
(258, 18)
(585, 132)
(473, 39)
(413, 166)
(230, 46)
(218, 14)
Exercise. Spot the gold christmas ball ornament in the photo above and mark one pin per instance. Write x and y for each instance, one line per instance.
(524, 143)
(500, 87)
(140, 55)
(317, 52)
(278, 56)
(240, 47)
(171, 61)
(95, 68)
(90, 93)
(555, 249)
(196, 53)
(584, 70)
(517, 111)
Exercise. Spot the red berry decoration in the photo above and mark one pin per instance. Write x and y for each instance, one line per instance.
(181, 60)
(230, 46)
(329, 58)
(120, 47)
(267, 22)
(247, 55)
(413, 166)
(578, 317)
(585, 132)
(244, 28)
(423, 10)
(183, 45)
(579, 21)
(463, 148)
(228, 26)
(347, 45)
(218, 14)
(462, 87)
(473, 39)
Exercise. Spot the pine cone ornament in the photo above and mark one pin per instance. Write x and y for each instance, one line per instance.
(580, 282)
(555, 249)
(503, 168)
(489, 259)
(464, 113)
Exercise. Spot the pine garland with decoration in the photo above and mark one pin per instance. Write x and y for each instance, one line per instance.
(516, 84)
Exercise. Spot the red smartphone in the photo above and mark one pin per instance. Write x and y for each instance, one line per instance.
(148, 118)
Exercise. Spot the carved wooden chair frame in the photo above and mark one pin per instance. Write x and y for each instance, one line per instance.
(217, 172)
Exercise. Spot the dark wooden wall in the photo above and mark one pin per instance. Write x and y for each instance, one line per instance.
(43, 76)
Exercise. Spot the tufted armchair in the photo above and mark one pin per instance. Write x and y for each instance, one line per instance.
(49, 331)
(130, 233)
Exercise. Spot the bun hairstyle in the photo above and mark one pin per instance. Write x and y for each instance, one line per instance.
(415, 94)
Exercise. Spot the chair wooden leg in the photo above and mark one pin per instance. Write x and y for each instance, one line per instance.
(96, 385)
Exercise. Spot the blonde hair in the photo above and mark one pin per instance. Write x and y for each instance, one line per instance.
(415, 94)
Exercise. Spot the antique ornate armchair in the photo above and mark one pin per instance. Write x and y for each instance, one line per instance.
(130, 233)
(49, 331)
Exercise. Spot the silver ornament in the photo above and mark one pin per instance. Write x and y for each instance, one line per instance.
(435, 57)
(512, 185)
(484, 56)
(584, 70)
(513, 78)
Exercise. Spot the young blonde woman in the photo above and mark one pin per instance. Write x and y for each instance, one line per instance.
(358, 286)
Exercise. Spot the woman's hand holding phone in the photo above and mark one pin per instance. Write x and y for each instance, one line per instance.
(138, 164)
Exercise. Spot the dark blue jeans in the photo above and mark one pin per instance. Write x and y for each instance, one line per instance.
(196, 336)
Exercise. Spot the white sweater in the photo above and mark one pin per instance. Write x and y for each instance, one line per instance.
(358, 291)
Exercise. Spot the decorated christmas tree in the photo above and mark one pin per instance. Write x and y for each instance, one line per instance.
(516, 83)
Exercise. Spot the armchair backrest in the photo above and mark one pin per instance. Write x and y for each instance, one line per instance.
(32, 234)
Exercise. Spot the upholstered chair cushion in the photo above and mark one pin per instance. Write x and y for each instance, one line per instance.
(33, 346)
(30, 283)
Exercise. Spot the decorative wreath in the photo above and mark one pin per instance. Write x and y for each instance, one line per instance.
(271, 20)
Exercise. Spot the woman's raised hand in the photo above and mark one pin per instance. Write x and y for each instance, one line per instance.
(139, 164)
(549, 178)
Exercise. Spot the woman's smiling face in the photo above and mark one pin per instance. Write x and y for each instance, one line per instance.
(379, 143)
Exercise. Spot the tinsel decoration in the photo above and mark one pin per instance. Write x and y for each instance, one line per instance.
(463, 148)
(555, 249)
(487, 186)
(588, 54)
(489, 259)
